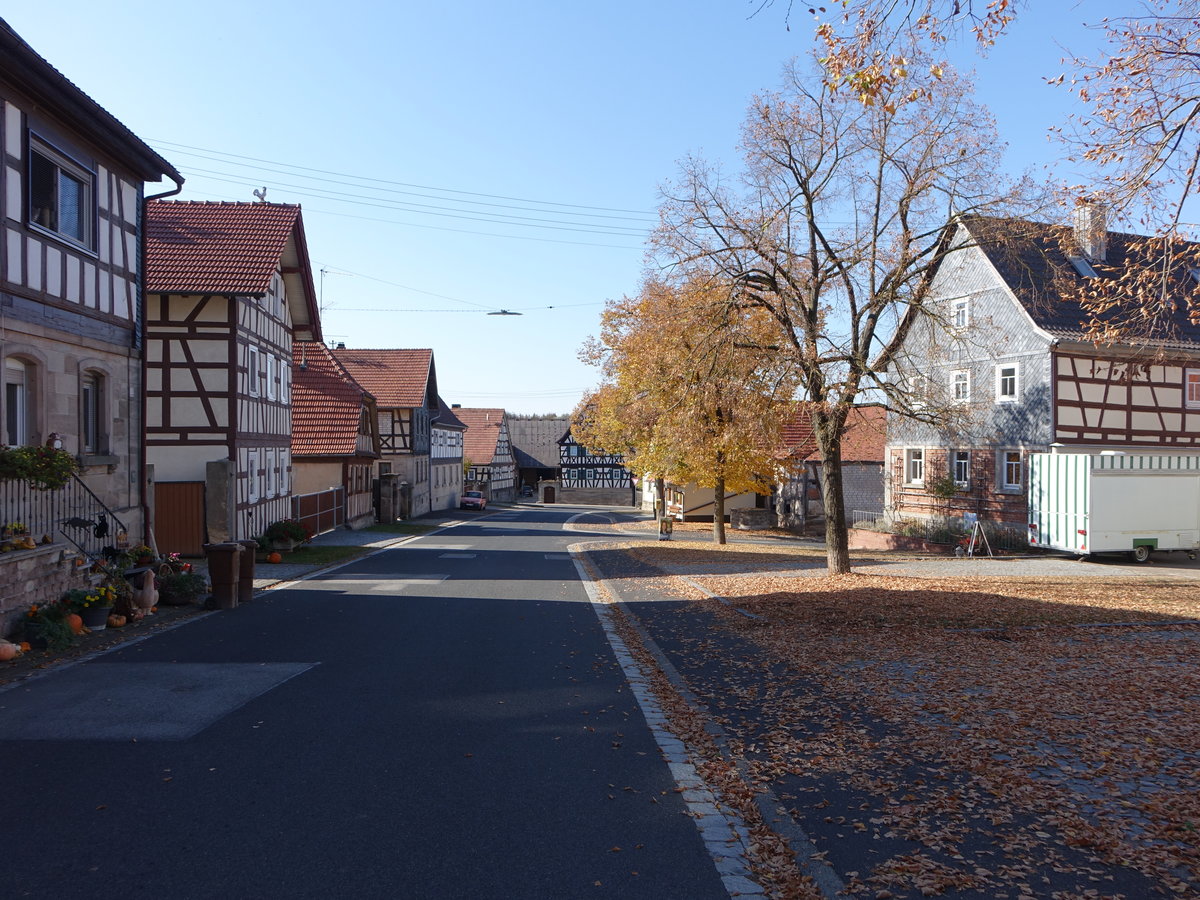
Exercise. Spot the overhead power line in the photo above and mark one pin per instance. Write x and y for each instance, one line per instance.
(233, 158)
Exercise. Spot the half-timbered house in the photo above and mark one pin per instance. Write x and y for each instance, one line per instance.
(71, 192)
(404, 384)
(535, 448)
(487, 453)
(593, 478)
(335, 442)
(445, 458)
(1005, 360)
(229, 287)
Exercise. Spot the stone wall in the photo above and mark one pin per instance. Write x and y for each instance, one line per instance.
(35, 576)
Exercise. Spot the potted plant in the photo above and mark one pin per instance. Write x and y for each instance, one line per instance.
(46, 627)
(287, 533)
(93, 606)
(141, 555)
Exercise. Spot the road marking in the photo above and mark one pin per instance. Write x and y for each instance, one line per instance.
(724, 833)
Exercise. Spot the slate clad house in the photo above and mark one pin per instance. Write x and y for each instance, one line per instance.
(335, 441)
(229, 287)
(71, 191)
(1013, 367)
(488, 452)
(404, 384)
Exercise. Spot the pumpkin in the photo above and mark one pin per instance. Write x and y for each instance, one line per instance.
(274, 557)
(9, 651)
(115, 621)
(75, 621)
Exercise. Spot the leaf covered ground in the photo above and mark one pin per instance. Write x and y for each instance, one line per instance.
(956, 736)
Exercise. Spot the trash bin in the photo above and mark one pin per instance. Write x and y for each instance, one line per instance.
(223, 572)
(246, 571)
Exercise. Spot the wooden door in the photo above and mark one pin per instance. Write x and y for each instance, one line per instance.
(179, 517)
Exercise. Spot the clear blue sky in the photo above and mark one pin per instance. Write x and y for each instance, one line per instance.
(566, 115)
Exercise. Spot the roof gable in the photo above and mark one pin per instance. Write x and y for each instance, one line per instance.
(195, 247)
(399, 379)
(1033, 261)
(484, 428)
(327, 404)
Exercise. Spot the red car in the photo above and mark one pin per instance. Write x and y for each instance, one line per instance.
(472, 500)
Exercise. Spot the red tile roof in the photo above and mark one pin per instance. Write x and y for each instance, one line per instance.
(862, 439)
(327, 403)
(483, 430)
(397, 378)
(216, 248)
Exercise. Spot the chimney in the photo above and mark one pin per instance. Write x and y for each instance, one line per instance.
(341, 345)
(1091, 229)
(456, 406)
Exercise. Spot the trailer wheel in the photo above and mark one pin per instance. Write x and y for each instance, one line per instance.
(1141, 553)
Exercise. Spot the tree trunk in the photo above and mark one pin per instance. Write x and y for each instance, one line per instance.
(719, 511)
(660, 502)
(828, 430)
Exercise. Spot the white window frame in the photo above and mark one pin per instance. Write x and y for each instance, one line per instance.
(272, 393)
(1191, 388)
(914, 466)
(960, 385)
(1001, 395)
(93, 433)
(252, 491)
(960, 474)
(48, 219)
(1005, 470)
(18, 388)
(252, 371)
(269, 469)
(960, 313)
(285, 487)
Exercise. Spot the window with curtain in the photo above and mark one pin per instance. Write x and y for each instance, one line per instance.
(61, 194)
(17, 386)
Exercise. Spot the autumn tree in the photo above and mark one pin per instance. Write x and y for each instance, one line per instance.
(689, 394)
(834, 228)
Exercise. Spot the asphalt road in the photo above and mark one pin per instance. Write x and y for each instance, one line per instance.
(441, 720)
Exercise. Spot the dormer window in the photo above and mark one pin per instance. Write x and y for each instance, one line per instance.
(1082, 266)
(61, 196)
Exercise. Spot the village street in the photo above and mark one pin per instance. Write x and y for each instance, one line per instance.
(460, 715)
(446, 719)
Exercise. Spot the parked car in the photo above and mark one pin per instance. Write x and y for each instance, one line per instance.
(472, 500)
(526, 491)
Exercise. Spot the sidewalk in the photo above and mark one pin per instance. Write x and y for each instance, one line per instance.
(268, 574)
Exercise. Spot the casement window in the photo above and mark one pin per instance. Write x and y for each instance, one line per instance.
(269, 473)
(252, 476)
(61, 195)
(253, 372)
(1007, 383)
(960, 468)
(960, 316)
(1191, 388)
(18, 412)
(285, 486)
(914, 466)
(960, 386)
(272, 393)
(91, 415)
(1010, 470)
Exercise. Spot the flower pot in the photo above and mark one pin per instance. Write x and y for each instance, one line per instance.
(96, 617)
(283, 544)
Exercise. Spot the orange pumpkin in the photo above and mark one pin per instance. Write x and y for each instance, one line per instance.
(75, 621)
(9, 651)
(274, 557)
(115, 621)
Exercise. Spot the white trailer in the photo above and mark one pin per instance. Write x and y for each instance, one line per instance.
(1114, 502)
